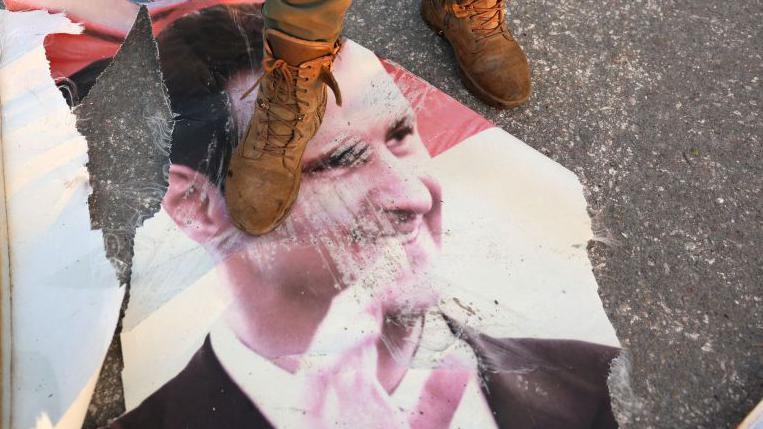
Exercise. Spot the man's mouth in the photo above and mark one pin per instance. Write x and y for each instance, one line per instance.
(408, 230)
(404, 231)
(411, 236)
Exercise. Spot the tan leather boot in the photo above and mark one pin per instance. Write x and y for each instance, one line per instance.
(265, 169)
(492, 64)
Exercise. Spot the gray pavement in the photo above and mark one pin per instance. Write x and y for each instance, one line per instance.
(655, 105)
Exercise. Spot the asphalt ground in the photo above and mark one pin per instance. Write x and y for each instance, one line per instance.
(655, 106)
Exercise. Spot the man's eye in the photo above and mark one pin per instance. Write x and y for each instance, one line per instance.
(399, 131)
(343, 158)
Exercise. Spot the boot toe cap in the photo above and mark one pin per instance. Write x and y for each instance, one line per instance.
(503, 79)
(258, 203)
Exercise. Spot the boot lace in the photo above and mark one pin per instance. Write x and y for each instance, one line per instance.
(490, 17)
(285, 85)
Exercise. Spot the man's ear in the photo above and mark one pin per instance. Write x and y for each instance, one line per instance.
(195, 204)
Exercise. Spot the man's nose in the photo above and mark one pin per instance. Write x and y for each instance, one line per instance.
(403, 186)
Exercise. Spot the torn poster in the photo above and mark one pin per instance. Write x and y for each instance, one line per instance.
(433, 272)
(62, 298)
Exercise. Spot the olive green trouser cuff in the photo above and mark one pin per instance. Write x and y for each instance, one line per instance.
(316, 20)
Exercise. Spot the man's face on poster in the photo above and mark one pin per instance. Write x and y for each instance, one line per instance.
(366, 202)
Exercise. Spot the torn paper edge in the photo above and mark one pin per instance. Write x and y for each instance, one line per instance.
(22, 35)
(5, 294)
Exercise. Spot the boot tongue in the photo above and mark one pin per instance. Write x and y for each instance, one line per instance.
(485, 5)
(293, 50)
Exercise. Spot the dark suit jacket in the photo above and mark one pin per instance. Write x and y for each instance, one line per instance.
(529, 383)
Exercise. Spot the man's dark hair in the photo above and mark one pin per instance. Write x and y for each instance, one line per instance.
(198, 54)
(202, 50)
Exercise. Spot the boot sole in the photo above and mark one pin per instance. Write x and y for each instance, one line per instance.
(472, 86)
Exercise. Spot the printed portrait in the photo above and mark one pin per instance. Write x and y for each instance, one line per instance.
(432, 273)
